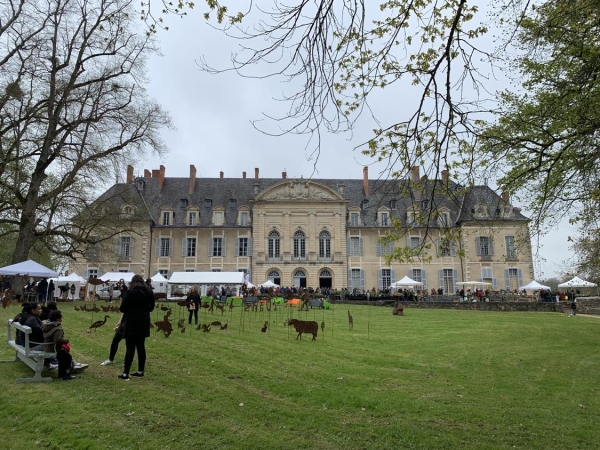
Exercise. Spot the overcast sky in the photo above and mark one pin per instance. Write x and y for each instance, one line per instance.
(213, 115)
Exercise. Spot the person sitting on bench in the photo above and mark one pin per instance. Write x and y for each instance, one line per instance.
(54, 336)
(30, 317)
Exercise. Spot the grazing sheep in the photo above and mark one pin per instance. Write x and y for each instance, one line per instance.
(305, 326)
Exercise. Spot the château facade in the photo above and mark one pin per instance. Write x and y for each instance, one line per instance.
(311, 232)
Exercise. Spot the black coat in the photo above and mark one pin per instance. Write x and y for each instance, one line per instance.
(136, 307)
(33, 322)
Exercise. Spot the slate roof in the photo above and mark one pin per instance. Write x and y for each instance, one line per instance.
(464, 204)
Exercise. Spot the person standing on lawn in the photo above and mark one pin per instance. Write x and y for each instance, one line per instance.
(137, 303)
(193, 299)
(114, 346)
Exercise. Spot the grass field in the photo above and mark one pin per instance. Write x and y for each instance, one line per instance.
(433, 379)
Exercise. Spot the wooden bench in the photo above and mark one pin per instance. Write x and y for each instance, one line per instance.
(33, 357)
(316, 304)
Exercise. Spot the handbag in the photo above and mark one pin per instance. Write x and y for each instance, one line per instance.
(192, 306)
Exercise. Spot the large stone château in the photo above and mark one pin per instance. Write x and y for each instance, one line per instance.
(311, 232)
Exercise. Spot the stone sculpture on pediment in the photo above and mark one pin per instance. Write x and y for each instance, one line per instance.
(298, 190)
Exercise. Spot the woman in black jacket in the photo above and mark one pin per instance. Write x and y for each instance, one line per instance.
(193, 299)
(138, 302)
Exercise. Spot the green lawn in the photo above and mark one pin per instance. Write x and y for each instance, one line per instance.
(434, 379)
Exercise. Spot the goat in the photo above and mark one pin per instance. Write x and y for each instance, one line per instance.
(305, 326)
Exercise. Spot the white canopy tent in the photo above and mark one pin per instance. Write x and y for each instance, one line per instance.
(207, 279)
(405, 282)
(249, 285)
(268, 284)
(29, 268)
(159, 283)
(473, 283)
(67, 281)
(116, 276)
(534, 286)
(577, 282)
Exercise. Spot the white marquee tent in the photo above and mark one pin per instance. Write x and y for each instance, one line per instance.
(67, 281)
(159, 283)
(268, 284)
(577, 282)
(405, 282)
(28, 268)
(207, 279)
(116, 276)
(534, 286)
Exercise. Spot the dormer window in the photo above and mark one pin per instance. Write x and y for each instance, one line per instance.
(232, 202)
(140, 185)
(364, 204)
(393, 204)
(218, 218)
(166, 218)
(127, 210)
(207, 203)
(183, 203)
(383, 218)
(444, 219)
(192, 218)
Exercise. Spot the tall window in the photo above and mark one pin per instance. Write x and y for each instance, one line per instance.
(192, 218)
(414, 242)
(355, 246)
(444, 219)
(324, 244)
(356, 279)
(242, 249)
(448, 280)
(512, 282)
(273, 244)
(299, 244)
(243, 218)
(511, 252)
(125, 247)
(384, 219)
(190, 247)
(418, 275)
(354, 219)
(386, 278)
(218, 218)
(217, 247)
(484, 246)
(166, 218)
(164, 247)
(92, 273)
(487, 275)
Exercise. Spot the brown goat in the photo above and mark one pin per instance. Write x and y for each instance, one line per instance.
(305, 326)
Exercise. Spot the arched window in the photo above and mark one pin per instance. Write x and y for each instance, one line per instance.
(324, 244)
(325, 279)
(273, 244)
(300, 278)
(274, 276)
(299, 244)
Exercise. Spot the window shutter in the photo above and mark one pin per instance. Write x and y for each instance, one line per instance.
(210, 246)
(249, 246)
(454, 280)
(362, 278)
(424, 279)
(224, 249)
(379, 250)
(86, 274)
(183, 247)
(157, 249)
(118, 248)
(348, 248)
(361, 249)
(170, 247)
(494, 284)
(506, 278)
(169, 273)
(491, 245)
(132, 247)
(478, 246)
(408, 241)
(99, 272)
(520, 277)
(410, 273)
(236, 250)
(441, 277)
(349, 284)
(438, 245)
(452, 249)
(392, 276)
(380, 278)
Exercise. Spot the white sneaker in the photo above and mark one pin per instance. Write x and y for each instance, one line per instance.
(108, 362)
(79, 366)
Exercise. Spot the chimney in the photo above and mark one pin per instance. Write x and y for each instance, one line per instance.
(256, 173)
(505, 197)
(192, 183)
(221, 174)
(284, 175)
(341, 188)
(366, 180)
(445, 177)
(161, 177)
(244, 175)
(129, 174)
(414, 174)
(147, 174)
(155, 173)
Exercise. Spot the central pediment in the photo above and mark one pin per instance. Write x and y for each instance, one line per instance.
(299, 190)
